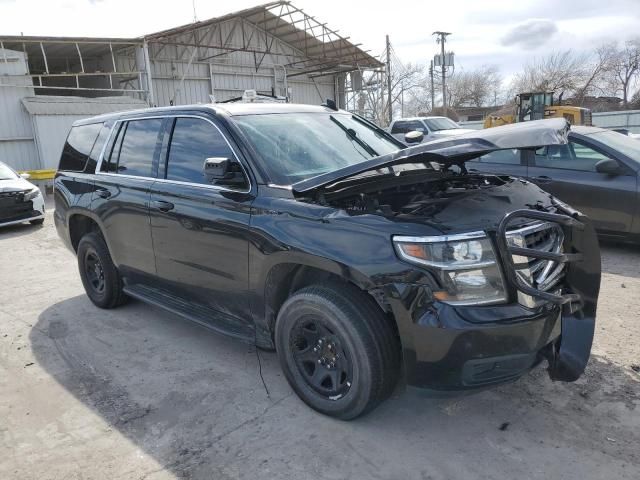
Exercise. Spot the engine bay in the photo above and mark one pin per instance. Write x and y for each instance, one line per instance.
(417, 199)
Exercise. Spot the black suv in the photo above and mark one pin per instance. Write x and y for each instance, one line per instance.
(312, 231)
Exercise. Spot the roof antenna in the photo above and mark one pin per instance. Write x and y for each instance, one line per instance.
(330, 104)
(195, 18)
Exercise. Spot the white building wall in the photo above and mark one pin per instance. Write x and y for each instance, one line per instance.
(17, 146)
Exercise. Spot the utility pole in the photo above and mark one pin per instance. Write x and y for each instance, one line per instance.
(389, 97)
(433, 93)
(442, 38)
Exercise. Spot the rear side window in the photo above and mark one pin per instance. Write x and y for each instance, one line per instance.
(192, 142)
(135, 148)
(78, 147)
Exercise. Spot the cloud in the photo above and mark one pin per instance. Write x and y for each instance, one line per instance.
(530, 34)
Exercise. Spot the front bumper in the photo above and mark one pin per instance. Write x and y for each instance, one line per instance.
(458, 348)
(20, 212)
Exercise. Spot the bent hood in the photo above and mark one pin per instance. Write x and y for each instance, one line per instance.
(454, 150)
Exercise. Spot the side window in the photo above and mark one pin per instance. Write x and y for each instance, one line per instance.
(399, 127)
(92, 161)
(78, 147)
(136, 145)
(509, 157)
(573, 156)
(195, 141)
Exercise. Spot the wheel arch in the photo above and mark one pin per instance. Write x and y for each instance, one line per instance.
(285, 278)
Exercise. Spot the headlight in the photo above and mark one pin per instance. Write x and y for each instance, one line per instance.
(31, 194)
(465, 264)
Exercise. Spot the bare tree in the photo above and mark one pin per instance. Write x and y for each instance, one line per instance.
(405, 81)
(558, 72)
(624, 69)
(474, 88)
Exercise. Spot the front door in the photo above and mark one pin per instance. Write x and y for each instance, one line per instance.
(569, 173)
(200, 225)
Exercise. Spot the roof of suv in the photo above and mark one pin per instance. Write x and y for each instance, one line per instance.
(232, 109)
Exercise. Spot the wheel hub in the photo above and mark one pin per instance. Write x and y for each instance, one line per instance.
(327, 350)
(321, 359)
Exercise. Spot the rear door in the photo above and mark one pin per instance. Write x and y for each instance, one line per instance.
(121, 195)
(200, 227)
(569, 173)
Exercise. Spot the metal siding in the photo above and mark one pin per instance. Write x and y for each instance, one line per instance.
(17, 147)
(629, 119)
(232, 72)
(51, 132)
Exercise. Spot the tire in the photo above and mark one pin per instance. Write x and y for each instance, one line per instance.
(100, 277)
(322, 329)
(37, 221)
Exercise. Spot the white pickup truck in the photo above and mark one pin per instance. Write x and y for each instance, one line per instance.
(432, 127)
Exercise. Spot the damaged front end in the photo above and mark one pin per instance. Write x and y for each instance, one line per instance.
(489, 321)
(562, 268)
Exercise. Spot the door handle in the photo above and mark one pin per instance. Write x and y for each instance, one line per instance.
(543, 179)
(162, 205)
(103, 193)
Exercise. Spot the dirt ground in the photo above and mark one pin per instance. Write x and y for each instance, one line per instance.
(136, 393)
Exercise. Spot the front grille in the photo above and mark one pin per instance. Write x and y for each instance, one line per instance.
(13, 206)
(539, 273)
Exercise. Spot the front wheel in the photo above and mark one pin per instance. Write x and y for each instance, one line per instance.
(337, 349)
(37, 221)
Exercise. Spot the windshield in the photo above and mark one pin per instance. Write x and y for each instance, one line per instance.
(626, 145)
(6, 173)
(442, 123)
(297, 146)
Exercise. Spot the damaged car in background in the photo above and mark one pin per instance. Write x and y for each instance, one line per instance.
(311, 231)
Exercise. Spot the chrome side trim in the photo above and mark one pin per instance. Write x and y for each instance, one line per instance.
(164, 180)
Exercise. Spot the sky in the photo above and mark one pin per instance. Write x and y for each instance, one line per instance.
(484, 32)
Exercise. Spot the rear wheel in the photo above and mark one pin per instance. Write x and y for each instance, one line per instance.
(37, 221)
(337, 349)
(99, 275)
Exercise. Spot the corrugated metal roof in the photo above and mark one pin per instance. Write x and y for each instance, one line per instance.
(324, 48)
(52, 105)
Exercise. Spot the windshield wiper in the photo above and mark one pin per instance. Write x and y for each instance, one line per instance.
(381, 131)
(351, 133)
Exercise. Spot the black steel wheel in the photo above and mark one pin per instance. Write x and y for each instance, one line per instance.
(94, 271)
(337, 349)
(321, 358)
(100, 277)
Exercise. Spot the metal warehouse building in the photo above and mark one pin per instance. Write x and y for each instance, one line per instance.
(46, 83)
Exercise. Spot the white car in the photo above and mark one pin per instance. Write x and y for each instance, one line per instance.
(432, 128)
(20, 200)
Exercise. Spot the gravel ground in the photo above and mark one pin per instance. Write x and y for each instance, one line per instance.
(138, 393)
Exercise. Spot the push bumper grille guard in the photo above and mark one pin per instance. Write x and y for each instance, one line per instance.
(580, 286)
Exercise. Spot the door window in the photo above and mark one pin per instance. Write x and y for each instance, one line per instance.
(509, 157)
(136, 145)
(573, 156)
(193, 141)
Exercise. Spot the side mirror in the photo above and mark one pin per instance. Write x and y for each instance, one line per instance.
(26, 176)
(413, 137)
(608, 166)
(215, 168)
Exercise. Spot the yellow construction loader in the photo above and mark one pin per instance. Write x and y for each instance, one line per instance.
(537, 106)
